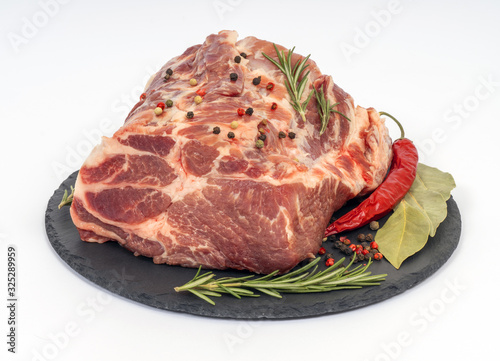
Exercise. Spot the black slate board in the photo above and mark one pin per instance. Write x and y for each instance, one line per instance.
(137, 278)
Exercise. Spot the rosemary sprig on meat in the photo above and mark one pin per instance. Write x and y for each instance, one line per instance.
(67, 199)
(324, 109)
(333, 278)
(293, 74)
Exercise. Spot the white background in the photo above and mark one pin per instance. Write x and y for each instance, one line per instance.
(71, 70)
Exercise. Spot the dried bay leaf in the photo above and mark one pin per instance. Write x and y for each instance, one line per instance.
(436, 180)
(432, 204)
(417, 216)
(405, 233)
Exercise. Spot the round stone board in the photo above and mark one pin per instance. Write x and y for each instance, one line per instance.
(117, 270)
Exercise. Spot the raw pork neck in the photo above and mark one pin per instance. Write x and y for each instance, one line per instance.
(169, 187)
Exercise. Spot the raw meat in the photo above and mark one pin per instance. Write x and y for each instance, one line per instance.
(166, 186)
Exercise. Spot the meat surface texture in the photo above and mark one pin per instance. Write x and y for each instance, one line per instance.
(168, 187)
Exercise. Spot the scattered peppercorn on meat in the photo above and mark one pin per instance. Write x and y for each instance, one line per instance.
(215, 167)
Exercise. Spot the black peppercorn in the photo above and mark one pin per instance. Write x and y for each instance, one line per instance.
(237, 59)
(216, 130)
(167, 76)
(243, 55)
(262, 137)
(282, 135)
(169, 71)
(291, 135)
(369, 237)
(169, 103)
(361, 237)
(233, 76)
(338, 244)
(249, 111)
(256, 81)
(190, 115)
(230, 135)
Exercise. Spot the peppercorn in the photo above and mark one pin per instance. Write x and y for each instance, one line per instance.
(166, 77)
(143, 96)
(274, 106)
(169, 71)
(262, 130)
(337, 244)
(329, 262)
(365, 252)
(237, 59)
(161, 105)
(241, 112)
(328, 255)
(249, 111)
(322, 250)
(234, 124)
(365, 245)
(346, 241)
(259, 143)
(270, 86)
(348, 250)
(201, 92)
(369, 237)
(243, 55)
(264, 121)
(198, 99)
(378, 256)
(282, 135)
(190, 115)
(374, 225)
(374, 245)
(352, 247)
(169, 103)
(216, 130)
(256, 81)
(158, 110)
(291, 135)
(233, 76)
(193, 82)
(262, 137)
(230, 135)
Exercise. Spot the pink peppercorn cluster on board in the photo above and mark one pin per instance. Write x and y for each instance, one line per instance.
(169, 187)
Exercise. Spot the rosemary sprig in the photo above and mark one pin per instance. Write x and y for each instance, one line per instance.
(332, 278)
(324, 109)
(293, 74)
(67, 199)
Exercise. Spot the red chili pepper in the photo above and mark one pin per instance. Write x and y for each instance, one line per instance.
(274, 106)
(201, 92)
(241, 112)
(389, 193)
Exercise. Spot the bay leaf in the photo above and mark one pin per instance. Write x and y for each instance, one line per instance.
(432, 204)
(404, 234)
(436, 180)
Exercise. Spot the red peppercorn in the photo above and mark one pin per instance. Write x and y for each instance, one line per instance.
(161, 105)
(353, 247)
(365, 251)
(241, 112)
(201, 92)
(270, 86)
(143, 96)
(322, 250)
(378, 256)
(374, 245)
(274, 106)
(346, 241)
(329, 262)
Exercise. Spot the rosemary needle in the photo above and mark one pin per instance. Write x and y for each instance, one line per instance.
(302, 280)
(294, 87)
